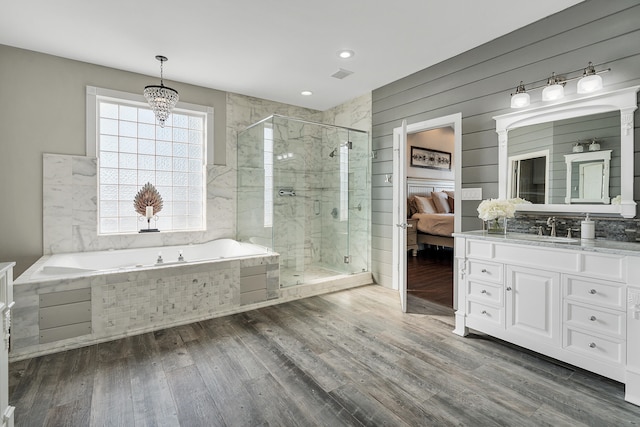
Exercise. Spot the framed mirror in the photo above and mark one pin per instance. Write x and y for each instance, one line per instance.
(588, 177)
(534, 145)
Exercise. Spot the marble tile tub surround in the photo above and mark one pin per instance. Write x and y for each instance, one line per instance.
(134, 302)
(608, 228)
(70, 209)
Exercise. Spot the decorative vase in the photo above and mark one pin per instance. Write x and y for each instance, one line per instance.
(496, 225)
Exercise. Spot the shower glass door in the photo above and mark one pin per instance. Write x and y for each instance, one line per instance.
(334, 256)
(304, 192)
(359, 182)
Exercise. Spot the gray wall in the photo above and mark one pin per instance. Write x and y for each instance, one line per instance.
(43, 110)
(478, 83)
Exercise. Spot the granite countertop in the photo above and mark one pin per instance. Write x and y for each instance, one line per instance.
(596, 245)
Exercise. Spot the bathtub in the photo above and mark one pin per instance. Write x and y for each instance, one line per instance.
(67, 301)
(72, 300)
(57, 266)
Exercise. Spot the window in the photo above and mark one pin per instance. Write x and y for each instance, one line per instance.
(133, 150)
(268, 175)
(344, 181)
(529, 177)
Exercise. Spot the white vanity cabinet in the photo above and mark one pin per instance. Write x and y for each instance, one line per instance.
(6, 303)
(571, 302)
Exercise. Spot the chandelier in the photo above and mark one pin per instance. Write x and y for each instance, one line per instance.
(161, 98)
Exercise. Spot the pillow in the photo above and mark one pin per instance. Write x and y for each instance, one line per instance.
(424, 204)
(450, 199)
(440, 201)
(411, 206)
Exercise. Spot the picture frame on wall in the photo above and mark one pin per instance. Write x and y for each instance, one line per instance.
(431, 159)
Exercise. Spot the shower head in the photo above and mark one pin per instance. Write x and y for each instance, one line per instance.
(333, 153)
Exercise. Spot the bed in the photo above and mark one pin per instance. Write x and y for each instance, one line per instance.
(433, 210)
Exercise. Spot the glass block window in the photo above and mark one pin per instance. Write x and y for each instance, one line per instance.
(268, 175)
(133, 150)
(344, 181)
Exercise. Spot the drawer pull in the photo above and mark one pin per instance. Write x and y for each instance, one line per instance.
(509, 288)
(484, 312)
(484, 291)
(593, 318)
(484, 270)
(592, 345)
(593, 292)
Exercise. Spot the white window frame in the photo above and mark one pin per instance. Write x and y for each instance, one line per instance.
(94, 95)
(268, 174)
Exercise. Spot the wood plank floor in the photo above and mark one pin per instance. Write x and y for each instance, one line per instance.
(349, 358)
(430, 276)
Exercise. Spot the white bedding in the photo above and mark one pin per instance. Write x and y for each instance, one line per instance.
(436, 224)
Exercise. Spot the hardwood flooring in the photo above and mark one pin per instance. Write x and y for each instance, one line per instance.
(430, 276)
(349, 358)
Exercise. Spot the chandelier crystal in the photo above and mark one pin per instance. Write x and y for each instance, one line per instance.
(161, 99)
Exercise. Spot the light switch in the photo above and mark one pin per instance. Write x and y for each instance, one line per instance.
(471, 194)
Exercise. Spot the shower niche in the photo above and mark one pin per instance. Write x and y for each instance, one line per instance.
(304, 190)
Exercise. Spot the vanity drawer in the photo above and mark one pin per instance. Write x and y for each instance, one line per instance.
(484, 312)
(486, 271)
(596, 347)
(485, 292)
(587, 317)
(597, 292)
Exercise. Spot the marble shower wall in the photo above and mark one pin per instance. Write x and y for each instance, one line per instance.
(305, 231)
(70, 187)
(356, 114)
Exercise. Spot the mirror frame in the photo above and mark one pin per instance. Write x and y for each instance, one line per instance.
(604, 157)
(623, 100)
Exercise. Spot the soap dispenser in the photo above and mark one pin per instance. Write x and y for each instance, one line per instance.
(588, 229)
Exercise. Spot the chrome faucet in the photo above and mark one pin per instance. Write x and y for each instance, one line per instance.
(551, 222)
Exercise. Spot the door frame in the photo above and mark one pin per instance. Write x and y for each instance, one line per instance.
(399, 184)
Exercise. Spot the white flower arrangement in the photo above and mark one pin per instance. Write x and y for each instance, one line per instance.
(499, 208)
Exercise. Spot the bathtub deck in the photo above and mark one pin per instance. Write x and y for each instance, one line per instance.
(346, 358)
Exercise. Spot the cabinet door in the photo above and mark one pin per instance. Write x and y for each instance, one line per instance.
(533, 304)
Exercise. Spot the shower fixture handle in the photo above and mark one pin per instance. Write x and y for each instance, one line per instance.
(286, 192)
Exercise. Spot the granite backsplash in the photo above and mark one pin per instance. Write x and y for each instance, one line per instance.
(610, 228)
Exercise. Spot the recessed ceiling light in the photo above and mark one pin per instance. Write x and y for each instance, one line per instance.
(306, 93)
(344, 54)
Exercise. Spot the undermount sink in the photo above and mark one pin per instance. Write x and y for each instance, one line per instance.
(550, 239)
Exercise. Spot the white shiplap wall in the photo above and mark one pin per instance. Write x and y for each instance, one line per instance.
(478, 83)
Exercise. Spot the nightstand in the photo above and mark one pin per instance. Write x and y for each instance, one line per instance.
(412, 236)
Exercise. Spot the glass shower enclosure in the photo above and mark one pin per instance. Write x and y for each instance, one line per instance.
(304, 191)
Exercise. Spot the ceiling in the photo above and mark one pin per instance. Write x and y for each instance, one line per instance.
(271, 49)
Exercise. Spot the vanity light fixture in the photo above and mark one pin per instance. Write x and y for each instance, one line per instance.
(577, 148)
(162, 99)
(521, 98)
(554, 89)
(590, 82)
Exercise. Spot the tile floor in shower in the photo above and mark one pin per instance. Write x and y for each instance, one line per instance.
(292, 276)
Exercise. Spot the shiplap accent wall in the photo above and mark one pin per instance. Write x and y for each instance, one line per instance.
(478, 82)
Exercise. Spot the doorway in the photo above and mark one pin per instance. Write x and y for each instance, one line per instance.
(403, 226)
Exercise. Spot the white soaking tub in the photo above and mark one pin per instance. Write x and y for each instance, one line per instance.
(63, 265)
(71, 300)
